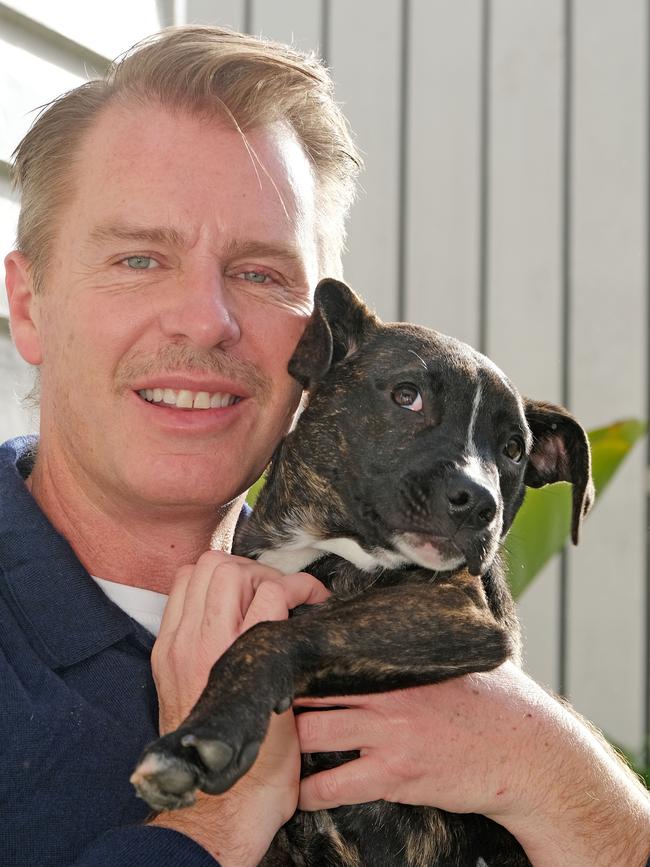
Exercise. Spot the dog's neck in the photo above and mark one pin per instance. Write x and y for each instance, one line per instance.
(286, 529)
(301, 550)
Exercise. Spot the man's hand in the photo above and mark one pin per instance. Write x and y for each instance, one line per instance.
(210, 605)
(492, 743)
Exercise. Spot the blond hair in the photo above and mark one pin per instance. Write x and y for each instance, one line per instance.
(204, 70)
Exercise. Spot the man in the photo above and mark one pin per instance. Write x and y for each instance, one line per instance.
(175, 219)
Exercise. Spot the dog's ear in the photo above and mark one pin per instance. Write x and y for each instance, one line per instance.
(560, 453)
(339, 323)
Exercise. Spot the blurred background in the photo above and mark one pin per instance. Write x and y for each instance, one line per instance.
(505, 201)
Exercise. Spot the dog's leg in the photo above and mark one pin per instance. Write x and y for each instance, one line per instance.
(389, 638)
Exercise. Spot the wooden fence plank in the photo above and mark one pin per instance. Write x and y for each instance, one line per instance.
(365, 60)
(296, 22)
(608, 354)
(442, 230)
(524, 255)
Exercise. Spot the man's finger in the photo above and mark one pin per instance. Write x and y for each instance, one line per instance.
(355, 782)
(229, 593)
(334, 730)
(303, 589)
(274, 598)
(268, 603)
(198, 586)
(176, 600)
(332, 701)
(219, 592)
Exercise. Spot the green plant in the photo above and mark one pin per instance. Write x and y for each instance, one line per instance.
(254, 490)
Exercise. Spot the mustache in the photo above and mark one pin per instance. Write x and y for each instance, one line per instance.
(183, 358)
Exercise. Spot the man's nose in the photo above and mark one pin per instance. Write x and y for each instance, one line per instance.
(202, 311)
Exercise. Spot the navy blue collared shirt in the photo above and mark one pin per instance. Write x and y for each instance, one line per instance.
(77, 703)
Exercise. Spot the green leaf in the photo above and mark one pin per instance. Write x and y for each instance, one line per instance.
(254, 490)
(541, 528)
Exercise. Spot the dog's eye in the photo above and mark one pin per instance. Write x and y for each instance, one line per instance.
(514, 449)
(405, 394)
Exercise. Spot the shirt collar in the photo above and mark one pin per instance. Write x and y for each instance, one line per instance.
(66, 617)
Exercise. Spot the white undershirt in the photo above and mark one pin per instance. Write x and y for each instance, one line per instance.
(145, 606)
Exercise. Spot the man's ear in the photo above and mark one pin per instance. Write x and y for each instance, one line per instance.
(22, 307)
(339, 323)
(560, 453)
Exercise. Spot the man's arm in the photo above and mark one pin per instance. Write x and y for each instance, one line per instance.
(495, 744)
(142, 846)
(210, 605)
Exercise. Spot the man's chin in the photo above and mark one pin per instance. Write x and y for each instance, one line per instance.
(183, 485)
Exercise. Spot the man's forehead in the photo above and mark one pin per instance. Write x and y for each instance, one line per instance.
(149, 139)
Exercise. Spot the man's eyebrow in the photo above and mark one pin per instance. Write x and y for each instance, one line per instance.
(237, 249)
(128, 232)
(169, 236)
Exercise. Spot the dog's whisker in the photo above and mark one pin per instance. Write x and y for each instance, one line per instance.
(419, 358)
(376, 578)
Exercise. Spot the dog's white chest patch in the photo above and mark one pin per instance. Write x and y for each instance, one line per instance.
(303, 548)
(352, 551)
(285, 561)
(296, 553)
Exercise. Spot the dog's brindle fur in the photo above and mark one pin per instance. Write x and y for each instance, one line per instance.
(397, 485)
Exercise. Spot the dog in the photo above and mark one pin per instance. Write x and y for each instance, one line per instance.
(396, 488)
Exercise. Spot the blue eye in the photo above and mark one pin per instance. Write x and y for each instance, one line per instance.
(140, 263)
(255, 276)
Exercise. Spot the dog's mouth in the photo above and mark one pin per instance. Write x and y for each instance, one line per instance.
(442, 554)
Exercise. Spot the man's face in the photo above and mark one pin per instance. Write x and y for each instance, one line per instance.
(181, 277)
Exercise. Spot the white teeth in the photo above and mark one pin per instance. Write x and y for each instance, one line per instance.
(186, 399)
(202, 400)
(221, 400)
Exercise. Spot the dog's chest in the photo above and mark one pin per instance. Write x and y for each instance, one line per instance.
(382, 834)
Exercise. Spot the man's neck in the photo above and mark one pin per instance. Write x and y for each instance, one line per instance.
(129, 543)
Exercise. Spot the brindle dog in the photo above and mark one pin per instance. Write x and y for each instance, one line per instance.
(395, 489)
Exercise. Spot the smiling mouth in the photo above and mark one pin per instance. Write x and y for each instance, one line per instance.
(184, 399)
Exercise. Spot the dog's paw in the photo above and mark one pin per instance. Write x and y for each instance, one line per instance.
(165, 781)
(172, 768)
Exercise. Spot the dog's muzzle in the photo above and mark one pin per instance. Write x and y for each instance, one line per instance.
(447, 520)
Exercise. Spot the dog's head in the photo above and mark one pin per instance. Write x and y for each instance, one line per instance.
(423, 442)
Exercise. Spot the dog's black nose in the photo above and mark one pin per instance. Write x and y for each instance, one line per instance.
(470, 503)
